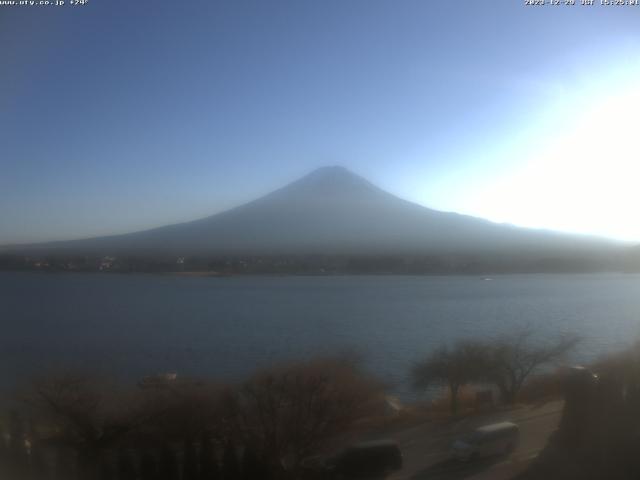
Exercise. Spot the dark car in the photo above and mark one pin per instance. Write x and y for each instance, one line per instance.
(366, 460)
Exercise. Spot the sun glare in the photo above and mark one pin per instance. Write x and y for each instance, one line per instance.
(583, 178)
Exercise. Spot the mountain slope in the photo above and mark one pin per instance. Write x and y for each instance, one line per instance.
(332, 211)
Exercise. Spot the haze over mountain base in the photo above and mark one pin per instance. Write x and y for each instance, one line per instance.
(333, 221)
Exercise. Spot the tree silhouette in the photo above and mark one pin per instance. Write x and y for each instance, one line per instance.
(208, 463)
(148, 466)
(126, 466)
(252, 466)
(230, 467)
(452, 367)
(168, 464)
(190, 461)
(288, 412)
(513, 357)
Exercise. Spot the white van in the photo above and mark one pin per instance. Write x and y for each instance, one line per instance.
(496, 439)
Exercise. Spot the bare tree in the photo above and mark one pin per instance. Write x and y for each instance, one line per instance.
(85, 414)
(451, 367)
(288, 412)
(187, 409)
(512, 358)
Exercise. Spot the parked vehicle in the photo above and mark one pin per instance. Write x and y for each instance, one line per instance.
(374, 459)
(495, 439)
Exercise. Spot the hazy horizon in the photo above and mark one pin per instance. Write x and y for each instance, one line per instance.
(342, 171)
(119, 117)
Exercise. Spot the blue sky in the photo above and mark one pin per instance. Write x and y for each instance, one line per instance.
(123, 115)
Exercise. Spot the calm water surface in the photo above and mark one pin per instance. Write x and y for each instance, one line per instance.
(135, 325)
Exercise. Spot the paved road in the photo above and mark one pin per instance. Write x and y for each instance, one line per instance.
(426, 453)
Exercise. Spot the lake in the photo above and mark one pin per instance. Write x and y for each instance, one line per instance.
(136, 325)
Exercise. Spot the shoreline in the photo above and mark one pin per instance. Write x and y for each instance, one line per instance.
(215, 274)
